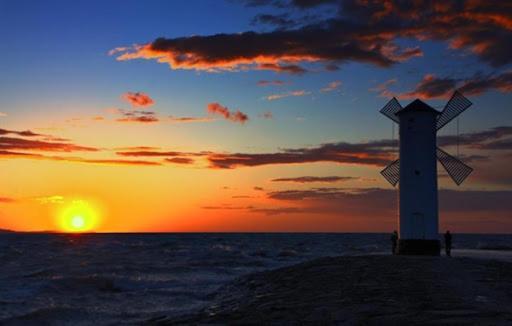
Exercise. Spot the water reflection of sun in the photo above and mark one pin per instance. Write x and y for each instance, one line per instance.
(78, 216)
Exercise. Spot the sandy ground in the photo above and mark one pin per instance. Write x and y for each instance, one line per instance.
(369, 290)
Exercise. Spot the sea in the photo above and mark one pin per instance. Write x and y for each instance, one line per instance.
(112, 279)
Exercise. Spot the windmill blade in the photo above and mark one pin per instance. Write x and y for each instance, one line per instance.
(457, 170)
(391, 108)
(392, 172)
(455, 106)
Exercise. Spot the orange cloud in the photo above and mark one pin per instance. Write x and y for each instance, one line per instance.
(138, 99)
(7, 200)
(236, 116)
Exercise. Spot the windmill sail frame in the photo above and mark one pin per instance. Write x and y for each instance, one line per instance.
(457, 170)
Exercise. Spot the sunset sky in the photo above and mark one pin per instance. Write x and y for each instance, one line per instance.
(255, 115)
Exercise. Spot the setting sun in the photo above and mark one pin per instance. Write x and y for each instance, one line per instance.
(79, 216)
(77, 222)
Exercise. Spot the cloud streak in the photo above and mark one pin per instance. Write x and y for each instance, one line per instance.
(274, 97)
(137, 116)
(377, 153)
(271, 83)
(189, 119)
(311, 179)
(332, 86)
(11, 143)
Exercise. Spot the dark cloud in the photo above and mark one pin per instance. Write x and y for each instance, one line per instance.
(280, 21)
(180, 160)
(277, 210)
(360, 31)
(333, 41)
(310, 179)
(12, 154)
(435, 87)
(504, 144)
(235, 116)
(303, 4)
(432, 87)
(487, 139)
(260, 3)
(25, 133)
(137, 116)
(376, 153)
(10, 143)
(287, 68)
(385, 199)
(373, 153)
(481, 84)
(474, 158)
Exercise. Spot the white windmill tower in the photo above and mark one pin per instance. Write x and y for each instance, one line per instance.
(416, 169)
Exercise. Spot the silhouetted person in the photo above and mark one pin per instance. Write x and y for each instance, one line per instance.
(394, 242)
(448, 243)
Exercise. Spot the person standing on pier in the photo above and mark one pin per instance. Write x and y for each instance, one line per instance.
(448, 243)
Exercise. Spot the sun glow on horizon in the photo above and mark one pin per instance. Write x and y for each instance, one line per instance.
(78, 216)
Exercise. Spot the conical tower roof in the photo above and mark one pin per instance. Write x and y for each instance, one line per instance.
(418, 105)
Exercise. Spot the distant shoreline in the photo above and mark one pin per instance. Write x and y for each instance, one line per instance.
(222, 232)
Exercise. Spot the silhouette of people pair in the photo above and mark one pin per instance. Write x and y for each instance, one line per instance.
(448, 243)
(394, 242)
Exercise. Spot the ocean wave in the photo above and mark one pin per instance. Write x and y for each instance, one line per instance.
(51, 316)
(84, 283)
